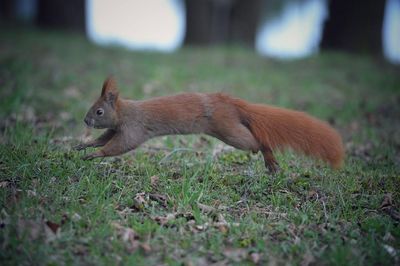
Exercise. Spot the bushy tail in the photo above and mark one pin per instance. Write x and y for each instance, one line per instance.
(278, 128)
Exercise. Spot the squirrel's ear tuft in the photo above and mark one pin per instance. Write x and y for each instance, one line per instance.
(110, 91)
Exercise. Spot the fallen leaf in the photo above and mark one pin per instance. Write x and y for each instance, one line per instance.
(53, 226)
(392, 252)
(387, 201)
(308, 259)
(222, 224)
(51, 231)
(139, 201)
(145, 247)
(201, 227)
(162, 220)
(388, 207)
(235, 254)
(4, 184)
(154, 180)
(162, 199)
(128, 236)
(223, 228)
(389, 237)
(31, 193)
(76, 217)
(312, 194)
(205, 208)
(255, 257)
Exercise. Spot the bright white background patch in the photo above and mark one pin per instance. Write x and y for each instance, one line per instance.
(295, 33)
(391, 31)
(137, 24)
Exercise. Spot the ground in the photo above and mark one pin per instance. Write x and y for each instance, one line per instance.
(190, 199)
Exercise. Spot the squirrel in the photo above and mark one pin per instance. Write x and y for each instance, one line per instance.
(243, 125)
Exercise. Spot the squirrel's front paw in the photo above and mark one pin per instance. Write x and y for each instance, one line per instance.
(80, 147)
(273, 168)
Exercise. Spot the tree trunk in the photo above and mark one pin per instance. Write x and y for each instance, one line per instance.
(355, 26)
(221, 21)
(61, 14)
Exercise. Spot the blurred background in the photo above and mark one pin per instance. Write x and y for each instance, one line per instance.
(276, 28)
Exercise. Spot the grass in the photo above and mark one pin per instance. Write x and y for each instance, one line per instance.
(188, 199)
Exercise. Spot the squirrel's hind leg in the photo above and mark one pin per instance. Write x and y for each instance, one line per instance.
(239, 137)
(269, 160)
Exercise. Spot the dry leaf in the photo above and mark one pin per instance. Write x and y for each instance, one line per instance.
(165, 219)
(308, 259)
(205, 208)
(201, 227)
(388, 207)
(128, 236)
(154, 180)
(388, 237)
(145, 247)
(392, 252)
(223, 228)
(255, 257)
(53, 226)
(76, 217)
(162, 199)
(235, 254)
(312, 194)
(4, 184)
(51, 231)
(139, 201)
(31, 193)
(387, 201)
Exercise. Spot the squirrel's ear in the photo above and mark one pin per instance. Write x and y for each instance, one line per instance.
(110, 91)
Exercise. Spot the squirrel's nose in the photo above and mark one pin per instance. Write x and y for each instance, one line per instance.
(86, 120)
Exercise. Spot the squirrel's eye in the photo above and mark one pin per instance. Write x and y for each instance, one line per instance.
(100, 112)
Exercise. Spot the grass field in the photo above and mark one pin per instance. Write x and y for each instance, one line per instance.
(190, 200)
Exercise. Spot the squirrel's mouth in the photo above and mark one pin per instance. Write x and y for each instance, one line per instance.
(89, 122)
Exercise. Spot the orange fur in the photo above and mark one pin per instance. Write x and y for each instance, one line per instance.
(279, 128)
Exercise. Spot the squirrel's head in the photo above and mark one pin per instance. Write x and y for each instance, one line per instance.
(103, 113)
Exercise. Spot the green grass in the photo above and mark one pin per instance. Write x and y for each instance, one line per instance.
(306, 214)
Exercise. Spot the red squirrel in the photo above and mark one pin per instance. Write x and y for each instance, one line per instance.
(243, 125)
